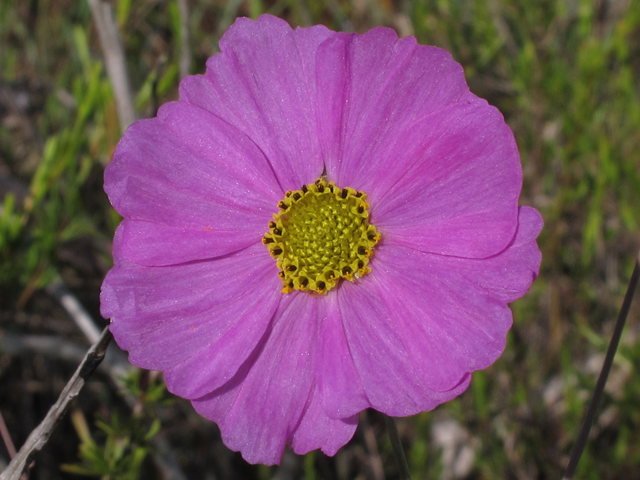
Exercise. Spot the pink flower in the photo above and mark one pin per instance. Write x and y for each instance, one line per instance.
(197, 294)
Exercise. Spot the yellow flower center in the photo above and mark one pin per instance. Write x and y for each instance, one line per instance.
(320, 235)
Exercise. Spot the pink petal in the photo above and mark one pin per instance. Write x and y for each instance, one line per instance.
(317, 430)
(198, 322)
(154, 244)
(222, 146)
(196, 178)
(260, 408)
(263, 82)
(372, 87)
(193, 293)
(509, 274)
(401, 357)
(452, 184)
(432, 320)
(338, 382)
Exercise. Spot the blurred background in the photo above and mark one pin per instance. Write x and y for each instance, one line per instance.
(566, 76)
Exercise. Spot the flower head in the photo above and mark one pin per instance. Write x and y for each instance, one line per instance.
(324, 222)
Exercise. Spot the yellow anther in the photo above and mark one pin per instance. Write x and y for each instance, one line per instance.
(321, 234)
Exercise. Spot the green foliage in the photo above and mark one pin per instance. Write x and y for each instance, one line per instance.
(54, 210)
(142, 385)
(9, 223)
(121, 453)
(565, 76)
(124, 442)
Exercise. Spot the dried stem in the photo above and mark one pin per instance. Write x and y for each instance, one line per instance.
(229, 14)
(289, 467)
(74, 308)
(40, 436)
(114, 58)
(50, 345)
(375, 461)
(117, 368)
(185, 48)
(581, 441)
(6, 438)
(398, 451)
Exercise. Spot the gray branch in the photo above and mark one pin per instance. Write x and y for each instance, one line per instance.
(117, 369)
(74, 308)
(185, 48)
(114, 58)
(40, 436)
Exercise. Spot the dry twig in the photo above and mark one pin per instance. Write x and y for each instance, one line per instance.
(74, 308)
(398, 451)
(117, 369)
(185, 48)
(40, 436)
(590, 416)
(375, 460)
(15, 344)
(114, 58)
(6, 438)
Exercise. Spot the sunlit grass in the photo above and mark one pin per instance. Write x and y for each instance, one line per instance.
(565, 76)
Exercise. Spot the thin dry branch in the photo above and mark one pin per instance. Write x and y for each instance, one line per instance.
(290, 467)
(185, 48)
(114, 58)
(52, 346)
(6, 438)
(115, 364)
(117, 368)
(40, 436)
(74, 308)
(229, 14)
(118, 365)
(375, 460)
(398, 451)
(590, 416)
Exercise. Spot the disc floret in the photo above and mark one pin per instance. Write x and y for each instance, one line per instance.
(321, 234)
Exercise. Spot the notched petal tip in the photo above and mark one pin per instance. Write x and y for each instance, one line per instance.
(531, 220)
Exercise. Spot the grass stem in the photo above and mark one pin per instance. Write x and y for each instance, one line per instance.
(604, 374)
(398, 451)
